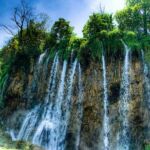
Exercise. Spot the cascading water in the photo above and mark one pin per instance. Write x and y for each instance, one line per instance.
(28, 124)
(106, 104)
(32, 117)
(41, 57)
(46, 132)
(123, 136)
(46, 125)
(67, 105)
(79, 108)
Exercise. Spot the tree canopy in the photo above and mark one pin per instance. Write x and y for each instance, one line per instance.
(96, 24)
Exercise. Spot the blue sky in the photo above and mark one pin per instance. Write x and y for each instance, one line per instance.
(75, 11)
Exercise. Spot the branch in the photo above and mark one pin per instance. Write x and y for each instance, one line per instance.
(7, 29)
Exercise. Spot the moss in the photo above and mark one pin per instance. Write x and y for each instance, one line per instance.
(147, 147)
(7, 144)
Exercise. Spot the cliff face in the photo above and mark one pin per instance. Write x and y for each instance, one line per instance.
(26, 90)
(92, 128)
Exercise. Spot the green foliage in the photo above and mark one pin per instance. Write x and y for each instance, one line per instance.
(95, 49)
(113, 46)
(7, 144)
(15, 55)
(134, 2)
(115, 34)
(130, 38)
(84, 52)
(3, 86)
(60, 36)
(129, 18)
(35, 33)
(145, 40)
(147, 147)
(144, 11)
(146, 46)
(98, 32)
(61, 32)
(97, 23)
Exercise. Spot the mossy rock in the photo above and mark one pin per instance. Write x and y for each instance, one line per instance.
(7, 144)
(147, 147)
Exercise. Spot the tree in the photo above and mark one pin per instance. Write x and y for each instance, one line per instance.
(132, 2)
(61, 33)
(33, 38)
(21, 17)
(144, 11)
(129, 18)
(97, 23)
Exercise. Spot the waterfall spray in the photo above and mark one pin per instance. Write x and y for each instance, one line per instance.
(28, 124)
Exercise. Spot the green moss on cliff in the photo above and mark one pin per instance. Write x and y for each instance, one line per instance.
(7, 144)
(147, 147)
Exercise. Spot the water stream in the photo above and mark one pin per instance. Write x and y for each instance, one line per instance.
(106, 127)
(124, 136)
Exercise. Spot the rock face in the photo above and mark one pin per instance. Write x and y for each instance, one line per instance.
(26, 90)
(91, 132)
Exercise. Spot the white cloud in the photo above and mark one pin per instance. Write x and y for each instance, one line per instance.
(110, 5)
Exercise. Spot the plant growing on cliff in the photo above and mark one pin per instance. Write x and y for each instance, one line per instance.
(60, 36)
(144, 7)
(97, 23)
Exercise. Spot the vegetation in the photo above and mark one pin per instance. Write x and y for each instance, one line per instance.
(100, 35)
(59, 37)
(147, 147)
(7, 144)
(134, 21)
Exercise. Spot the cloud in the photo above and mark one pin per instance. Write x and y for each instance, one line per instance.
(110, 6)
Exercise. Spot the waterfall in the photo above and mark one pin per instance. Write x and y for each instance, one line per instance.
(46, 131)
(28, 124)
(67, 105)
(32, 117)
(46, 124)
(124, 139)
(106, 104)
(60, 119)
(41, 58)
(79, 108)
(12, 135)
